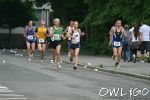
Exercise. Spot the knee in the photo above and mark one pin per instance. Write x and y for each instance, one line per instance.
(119, 54)
(57, 53)
(76, 55)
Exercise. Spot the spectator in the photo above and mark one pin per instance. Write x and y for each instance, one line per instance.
(126, 45)
(145, 40)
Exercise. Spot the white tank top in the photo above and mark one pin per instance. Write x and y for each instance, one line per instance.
(77, 37)
(134, 39)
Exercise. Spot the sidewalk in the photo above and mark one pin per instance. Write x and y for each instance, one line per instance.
(108, 63)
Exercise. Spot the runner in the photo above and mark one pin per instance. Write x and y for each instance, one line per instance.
(56, 38)
(145, 38)
(75, 42)
(29, 34)
(41, 34)
(117, 33)
(68, 30)
(134, 42)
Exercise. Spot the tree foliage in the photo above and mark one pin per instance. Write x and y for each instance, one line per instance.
(102, 14)
(15, 13)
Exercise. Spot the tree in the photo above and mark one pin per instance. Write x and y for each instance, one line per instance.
(15, 13)
(102, 14)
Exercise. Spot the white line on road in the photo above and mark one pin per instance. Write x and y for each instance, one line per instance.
(13, 98)
(2, 91)
(17, 95)
(3, 87)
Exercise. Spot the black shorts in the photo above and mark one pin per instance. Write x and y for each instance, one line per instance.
(74, 46)
(54, 44)
(145, 45)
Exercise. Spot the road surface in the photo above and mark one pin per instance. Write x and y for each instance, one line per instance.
(23, 80)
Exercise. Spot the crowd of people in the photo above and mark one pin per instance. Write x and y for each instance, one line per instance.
(121, 39)
(42, 36)
(130, 41)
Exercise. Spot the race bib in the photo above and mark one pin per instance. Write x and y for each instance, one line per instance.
(117, 43)
(41, 40)
(30, 37)
(56, 37)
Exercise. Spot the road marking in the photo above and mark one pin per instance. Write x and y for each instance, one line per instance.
(3, 87)
(7, 94)
(13, 98)
(16, 95)
(2, 91)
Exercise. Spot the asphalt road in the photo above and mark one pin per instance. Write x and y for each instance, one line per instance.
(23, 80)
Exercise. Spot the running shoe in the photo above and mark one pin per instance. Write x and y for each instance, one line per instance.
(59, 66)
(41, 61)
(116, 64)
(75, 67)
(142, 61)
(71, 59)
(29, 59)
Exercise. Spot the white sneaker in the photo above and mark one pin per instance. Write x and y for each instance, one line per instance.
(41, 61)
(29, 59)
(59, 66)
(142, 61)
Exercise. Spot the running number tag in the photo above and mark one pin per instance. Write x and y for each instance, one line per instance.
(57, 37)
(117, 43)
(30, 37)
(41, 40)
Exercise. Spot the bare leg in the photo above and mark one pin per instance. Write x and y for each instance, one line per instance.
(76, 56)
(43, 51)
(28, 49)
(58, 53)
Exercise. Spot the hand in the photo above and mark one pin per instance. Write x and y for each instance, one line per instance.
(110, 43)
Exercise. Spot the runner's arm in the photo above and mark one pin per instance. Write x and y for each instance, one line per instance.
(110, 35)
(36, 30)
(25, 32)
(62, 34)
(51, 32)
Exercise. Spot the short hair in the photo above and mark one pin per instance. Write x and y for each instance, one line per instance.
(118, 20)
(56, 19)
(76, 22)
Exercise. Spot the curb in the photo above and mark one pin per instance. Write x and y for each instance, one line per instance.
(114, 71)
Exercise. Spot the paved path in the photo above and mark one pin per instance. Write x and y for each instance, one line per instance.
(37, 81)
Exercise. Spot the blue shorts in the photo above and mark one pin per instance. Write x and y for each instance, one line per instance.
(69, 45)
(74, 46)
(31, 41)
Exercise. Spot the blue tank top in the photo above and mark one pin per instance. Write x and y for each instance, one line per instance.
(118, 36)
(30, 31)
